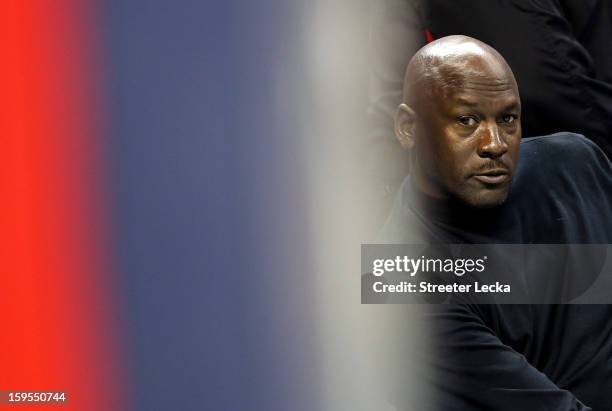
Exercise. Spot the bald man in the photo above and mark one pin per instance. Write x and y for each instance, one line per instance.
(462, 114)
(558, 50)
(460, 119)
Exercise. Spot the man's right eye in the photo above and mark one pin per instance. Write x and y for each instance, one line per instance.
(467, 121)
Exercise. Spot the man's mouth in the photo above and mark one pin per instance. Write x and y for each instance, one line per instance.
(493, 177)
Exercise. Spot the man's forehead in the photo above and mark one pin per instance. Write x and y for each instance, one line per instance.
(473, 82)
(455, 65)
(474, 72)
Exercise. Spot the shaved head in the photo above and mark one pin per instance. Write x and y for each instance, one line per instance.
(448, 64)
(461, 118)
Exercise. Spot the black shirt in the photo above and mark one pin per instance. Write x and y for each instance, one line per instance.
(509, 357)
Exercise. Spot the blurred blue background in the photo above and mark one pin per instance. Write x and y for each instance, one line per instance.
(207, 182)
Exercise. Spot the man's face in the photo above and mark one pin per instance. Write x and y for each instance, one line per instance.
(467, 140)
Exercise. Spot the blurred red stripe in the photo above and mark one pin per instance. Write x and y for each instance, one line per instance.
(429, 36)
(56, 306)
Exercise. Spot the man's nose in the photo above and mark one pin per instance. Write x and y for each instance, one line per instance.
(492, 143)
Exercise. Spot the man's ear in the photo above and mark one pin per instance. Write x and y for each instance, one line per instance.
(405, 126)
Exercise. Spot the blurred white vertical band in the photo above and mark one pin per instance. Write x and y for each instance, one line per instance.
(365, 351)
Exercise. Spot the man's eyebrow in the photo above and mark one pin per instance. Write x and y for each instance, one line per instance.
(461, 101)
(515, 105)
(464, 102)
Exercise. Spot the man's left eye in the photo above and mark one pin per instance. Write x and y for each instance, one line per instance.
(509, 118)
(468, 121)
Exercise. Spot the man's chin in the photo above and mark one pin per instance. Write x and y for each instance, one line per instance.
(486, 199)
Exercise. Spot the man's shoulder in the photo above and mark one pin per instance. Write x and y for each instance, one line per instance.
(562, 167)
(560, 153)
(562, 187)
(563, 144)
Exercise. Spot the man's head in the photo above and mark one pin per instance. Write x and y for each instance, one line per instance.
(461, 116)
